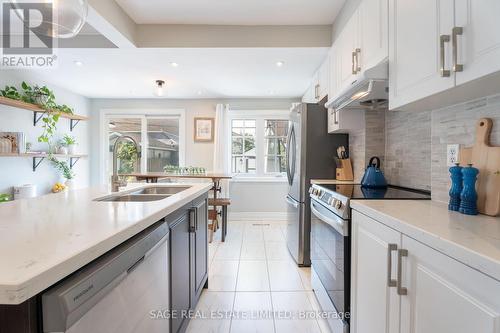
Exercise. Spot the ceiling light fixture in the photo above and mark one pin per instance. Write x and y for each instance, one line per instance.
(68, 17)
(280, 63)
(159, 87)
(200, 92)
(78, 63)
(174, 64)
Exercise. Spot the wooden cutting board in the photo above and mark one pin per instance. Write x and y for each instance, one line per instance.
(487, 159)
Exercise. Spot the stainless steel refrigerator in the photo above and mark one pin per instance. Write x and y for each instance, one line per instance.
(310, 155)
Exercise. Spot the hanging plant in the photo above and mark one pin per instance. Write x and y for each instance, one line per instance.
(63, 167)
(44, 98)
(11, 92)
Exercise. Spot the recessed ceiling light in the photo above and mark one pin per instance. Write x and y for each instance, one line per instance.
(174, 64)
(78, 63)
(280, 63)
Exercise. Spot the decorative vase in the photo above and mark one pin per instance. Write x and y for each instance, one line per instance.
(456, 187)
(5, 146)
(72, 149)
(62, 150)
(69, 183)
(468, 197)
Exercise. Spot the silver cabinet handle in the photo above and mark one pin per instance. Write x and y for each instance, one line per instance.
(335, 119)
(390, 249)
(456, 31)
(192, 220)
(358, 67)
(401, 290)
(442, 40)
(316, 91)
(353, 59)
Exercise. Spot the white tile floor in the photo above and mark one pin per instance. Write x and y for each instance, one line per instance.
(252, 273)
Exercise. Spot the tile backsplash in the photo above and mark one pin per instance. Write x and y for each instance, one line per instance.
(412, 145)
(457, 124)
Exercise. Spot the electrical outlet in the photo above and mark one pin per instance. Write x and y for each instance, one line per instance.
(452, 154)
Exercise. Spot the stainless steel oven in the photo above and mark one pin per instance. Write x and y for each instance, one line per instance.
(330, 261)
(331, 243)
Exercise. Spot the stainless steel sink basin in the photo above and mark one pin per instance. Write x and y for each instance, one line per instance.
(135, 197)
(170, 190)
(150, 193)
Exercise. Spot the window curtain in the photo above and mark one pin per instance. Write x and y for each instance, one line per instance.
(222, 146)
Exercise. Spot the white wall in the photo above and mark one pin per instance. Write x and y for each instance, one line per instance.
(247, 196)
(18, 171)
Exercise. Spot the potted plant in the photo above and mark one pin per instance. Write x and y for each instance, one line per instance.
(68, 142)
(65, 170)
(4, 197)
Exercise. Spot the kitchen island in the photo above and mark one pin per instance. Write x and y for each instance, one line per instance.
(45, 239)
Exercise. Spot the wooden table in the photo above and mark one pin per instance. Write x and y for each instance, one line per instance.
(152, 177)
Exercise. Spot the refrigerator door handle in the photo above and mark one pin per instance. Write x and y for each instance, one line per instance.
(292, 203)
(288, 164)
(294, 155)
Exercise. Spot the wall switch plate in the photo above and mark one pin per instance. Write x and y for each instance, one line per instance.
(452, 154)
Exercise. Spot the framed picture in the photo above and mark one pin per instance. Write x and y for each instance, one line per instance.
(204, 129)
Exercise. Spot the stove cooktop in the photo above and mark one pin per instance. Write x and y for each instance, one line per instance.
(356, 192)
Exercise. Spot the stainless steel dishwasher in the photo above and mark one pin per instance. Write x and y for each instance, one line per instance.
(117, 292)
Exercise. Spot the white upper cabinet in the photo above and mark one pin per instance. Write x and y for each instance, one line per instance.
(324, 79)
(362, 44)
(419, 48)
(436, 45)
(346, 45)
(478, 44)
(310, 96)
(373, 32)
(320, 84)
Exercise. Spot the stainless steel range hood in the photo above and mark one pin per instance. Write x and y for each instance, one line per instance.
(368, 91)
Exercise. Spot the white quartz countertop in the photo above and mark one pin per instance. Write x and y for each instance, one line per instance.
(472, 240)
(44, 239)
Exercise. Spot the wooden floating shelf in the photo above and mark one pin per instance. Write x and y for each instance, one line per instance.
(74, 118)
(38, 157)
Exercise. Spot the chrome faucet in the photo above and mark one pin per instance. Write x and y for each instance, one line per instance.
(116, 183)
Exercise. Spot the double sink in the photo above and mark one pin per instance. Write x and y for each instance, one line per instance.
(146, 194)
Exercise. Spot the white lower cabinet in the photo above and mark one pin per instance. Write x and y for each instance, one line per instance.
(374, 305)
(430, 292)
(444, 295)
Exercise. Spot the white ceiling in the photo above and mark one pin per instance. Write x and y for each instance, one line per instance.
(233, 12)
(202, 73)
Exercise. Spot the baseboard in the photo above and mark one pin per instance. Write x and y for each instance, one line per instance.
(255, 216)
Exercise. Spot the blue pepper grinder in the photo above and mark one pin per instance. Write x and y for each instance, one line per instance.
(468, 197)
(456, 187)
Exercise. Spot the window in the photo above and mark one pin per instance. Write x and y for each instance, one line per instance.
(258, 143)
(160, 139)
(275, 142)
(243, 147)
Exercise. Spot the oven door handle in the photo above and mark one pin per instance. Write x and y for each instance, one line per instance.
(337, 223)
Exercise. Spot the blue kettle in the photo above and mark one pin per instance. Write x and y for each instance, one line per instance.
(373, 177)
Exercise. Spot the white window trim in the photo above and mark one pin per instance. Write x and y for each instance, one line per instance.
(260, 116)
(106, 114)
